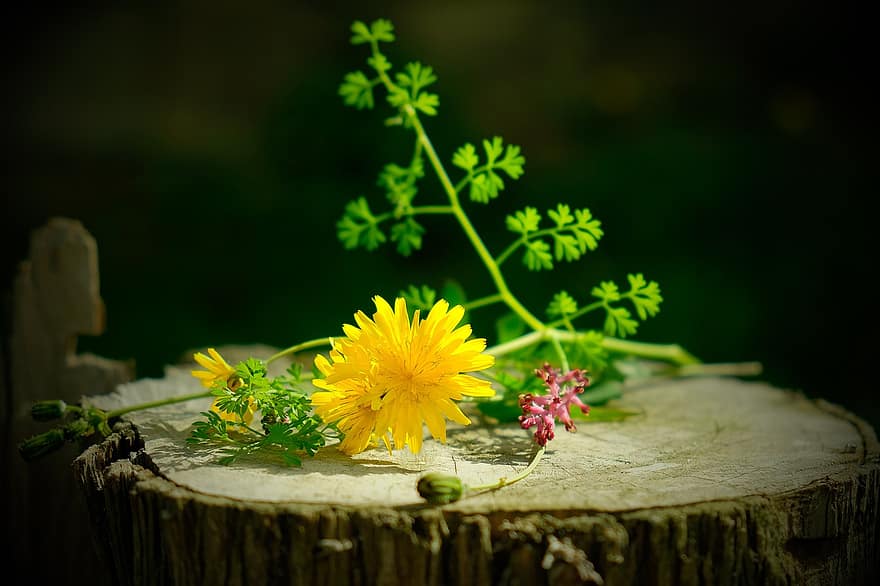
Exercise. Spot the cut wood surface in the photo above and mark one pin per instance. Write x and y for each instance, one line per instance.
(715, 481)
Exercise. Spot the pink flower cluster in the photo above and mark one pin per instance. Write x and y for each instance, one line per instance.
(543, 410)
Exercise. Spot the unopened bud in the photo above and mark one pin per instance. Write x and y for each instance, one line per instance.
(78, 428)
(40, 445)
(48, 410)
(440, 489)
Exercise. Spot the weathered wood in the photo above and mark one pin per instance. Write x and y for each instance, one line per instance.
(716, 482)
(55, 298)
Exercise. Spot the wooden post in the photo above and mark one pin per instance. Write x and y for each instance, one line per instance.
(717, 481)
(55, 297)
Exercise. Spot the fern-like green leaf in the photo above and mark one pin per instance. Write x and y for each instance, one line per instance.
(358, 226)
(422, 297)
(562, 305)
(408, 236)
(644, 295)
(356, 90)
(537, 256)
(524, 221)
(465, 157)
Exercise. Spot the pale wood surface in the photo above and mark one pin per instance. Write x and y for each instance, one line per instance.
(694, 441)
(717, 481)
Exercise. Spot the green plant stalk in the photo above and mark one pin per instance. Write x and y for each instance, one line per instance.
(565, 320)
(563, 357)
(666, 352)
(504, 481)
(458, 211)
(416, 211)
(159, 403)
(483, 252)
(316, 343)
(483, 301)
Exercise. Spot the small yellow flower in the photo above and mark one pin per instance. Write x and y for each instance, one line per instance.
(218, 370)
(390, 375)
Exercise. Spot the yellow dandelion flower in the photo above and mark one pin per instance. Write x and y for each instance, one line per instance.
(219, 370)
(390, 375)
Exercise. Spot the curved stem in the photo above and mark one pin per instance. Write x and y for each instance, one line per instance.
(468, 228)
(510, 250)
(457, 210)
(666, 352)
(483, 301)
(316, 343)
(504, 481)
(563, 357)
(159, 403)
(583, 310)
(416, 211)
(716, 369)
(470, 176)
(523, 341)
(248, 427)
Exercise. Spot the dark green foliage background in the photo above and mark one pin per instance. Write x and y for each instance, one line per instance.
(725, 150)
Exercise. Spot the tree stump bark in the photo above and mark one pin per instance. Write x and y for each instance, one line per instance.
(717, 481)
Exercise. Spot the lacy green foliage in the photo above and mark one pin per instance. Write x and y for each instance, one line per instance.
(559, 234)
(570, 237)
(562, 305)
(400, 184)
(644, 296)
(359, 227)
(485, 183)
(287, 426)
(422, 298)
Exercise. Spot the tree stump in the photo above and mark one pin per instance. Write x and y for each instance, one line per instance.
(716, 481)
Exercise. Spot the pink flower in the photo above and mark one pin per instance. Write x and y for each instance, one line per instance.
(543, 410)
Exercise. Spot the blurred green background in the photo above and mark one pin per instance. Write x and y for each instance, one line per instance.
(726, 150)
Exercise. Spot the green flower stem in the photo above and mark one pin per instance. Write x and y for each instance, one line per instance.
(717, 369)
(500, 284)
(159, 403)
(523, 341)
(563, 357)
(416, 211)
(316, 343)
(510, 249)
(470, 176)
(583, 310)
(666, 352)
(248, 427)
(508, 298)
(504, 481)
(432, 210)
(483, 301)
